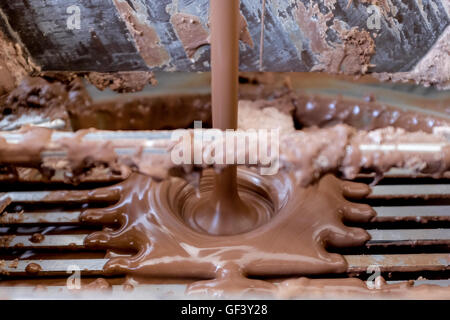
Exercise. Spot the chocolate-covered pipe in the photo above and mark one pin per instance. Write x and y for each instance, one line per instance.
(336, 149)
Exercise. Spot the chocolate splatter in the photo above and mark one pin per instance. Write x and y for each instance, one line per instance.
(33, 269)
(37, 238)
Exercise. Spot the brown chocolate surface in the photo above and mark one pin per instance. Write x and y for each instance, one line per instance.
(294, 288)
(292, 242)
(162, 112)
(7, 81)
(323, 111)
(235, 225)
(143, 113)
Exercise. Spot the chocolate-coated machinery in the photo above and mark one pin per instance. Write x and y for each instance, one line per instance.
(358, 43)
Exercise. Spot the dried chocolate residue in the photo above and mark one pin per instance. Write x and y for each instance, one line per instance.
(6, 240)
(121, 82)
(380, 3)
(244, 33)
(351, 54)
(260, 115)
(14, 65)
(193, 34)
(82, 156)
(145, 36)
(190, 31)
(351, 57)
(345, 155)
(432, 69)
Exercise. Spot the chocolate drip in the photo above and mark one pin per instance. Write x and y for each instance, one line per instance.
(33, 269)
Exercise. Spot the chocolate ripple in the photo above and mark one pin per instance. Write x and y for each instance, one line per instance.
(305, 222)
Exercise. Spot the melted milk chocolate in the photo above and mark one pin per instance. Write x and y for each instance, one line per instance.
(237, 224)
(293, 242)
(222, 211)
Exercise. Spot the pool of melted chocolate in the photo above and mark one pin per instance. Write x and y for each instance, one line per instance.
(300, 223)
(253, 191)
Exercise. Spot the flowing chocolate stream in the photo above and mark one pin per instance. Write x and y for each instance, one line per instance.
(225, 62)
(223, 212)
